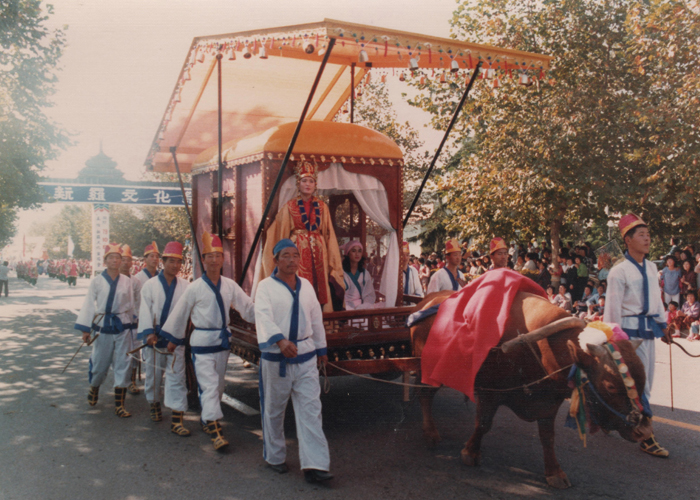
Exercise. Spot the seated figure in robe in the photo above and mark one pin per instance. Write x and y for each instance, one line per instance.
(306, 221)
(359, 287)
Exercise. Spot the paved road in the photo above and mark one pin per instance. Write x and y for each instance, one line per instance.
(54, 446)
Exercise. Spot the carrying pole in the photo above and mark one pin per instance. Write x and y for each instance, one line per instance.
(444, 139)
(173, 151)
(220, 177)
(283, 167)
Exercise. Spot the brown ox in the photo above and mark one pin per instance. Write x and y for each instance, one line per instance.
(503, 375)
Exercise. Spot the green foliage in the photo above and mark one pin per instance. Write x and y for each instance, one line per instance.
(137, 227)
(29, 53)
(563, 155)
(72, 220)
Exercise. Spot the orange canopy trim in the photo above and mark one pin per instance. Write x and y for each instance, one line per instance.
(267, 75)
(320, 140)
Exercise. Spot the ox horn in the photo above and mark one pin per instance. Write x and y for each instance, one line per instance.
(543, 333)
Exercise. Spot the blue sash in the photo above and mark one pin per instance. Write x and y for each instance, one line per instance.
(293, 329)
(407, 275)
(169, 293)
(112, 324)
(147, 273)
(647, 327)
(223, 331)
(455, 285)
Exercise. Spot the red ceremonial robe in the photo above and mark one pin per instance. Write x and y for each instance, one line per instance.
(468, 324)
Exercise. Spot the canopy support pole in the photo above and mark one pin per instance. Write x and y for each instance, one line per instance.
(173, 152)
(352, 93)
(220, 176)
(283, 167)
(444, 139)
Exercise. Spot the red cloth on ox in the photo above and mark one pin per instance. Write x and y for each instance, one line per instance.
(468, 325)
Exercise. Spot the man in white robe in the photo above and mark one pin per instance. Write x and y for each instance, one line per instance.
(151, 257)
(292, 341)
(207, 302)
(107, 311)
(449, 277)
(411, 279)
(158, 298)
(125, 270)
(633, 301)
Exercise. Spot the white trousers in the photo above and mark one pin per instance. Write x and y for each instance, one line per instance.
(647, 353)
(133, 361)
(155, 364)
(110, 350)
(211, 378)
(301, 383)
(175, 380)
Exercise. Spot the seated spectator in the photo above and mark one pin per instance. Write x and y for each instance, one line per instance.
(563, 299)
(600, 292)
(359, 287)
(544, 278)
(520, 262)
(582, 303)
(688, 278)
(530, 261)
(689, 313)
(672, 314)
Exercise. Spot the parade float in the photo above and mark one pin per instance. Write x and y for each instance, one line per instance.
(248, 106)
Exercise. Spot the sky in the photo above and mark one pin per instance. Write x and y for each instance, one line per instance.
(122, 60)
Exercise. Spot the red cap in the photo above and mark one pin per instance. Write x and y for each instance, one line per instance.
(630, 221)
(211, 244)
(497, 244)
(452, 246)
(112, 248)
(172, 249)
(153, 247)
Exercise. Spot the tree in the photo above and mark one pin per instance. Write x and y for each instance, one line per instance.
(72, 220)
(557, 153)
(29, 53)
(665, 48)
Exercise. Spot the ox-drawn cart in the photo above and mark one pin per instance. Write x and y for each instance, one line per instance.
(233, 122)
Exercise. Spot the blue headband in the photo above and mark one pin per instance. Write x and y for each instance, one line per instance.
(281, 245)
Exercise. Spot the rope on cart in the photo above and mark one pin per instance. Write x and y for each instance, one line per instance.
(367, 377)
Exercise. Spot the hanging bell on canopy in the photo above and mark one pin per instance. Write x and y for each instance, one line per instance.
(383, 79)
(443, 77)
(413, 63)
(496, 83)
(262, 54)
(402, 77)
(322, 50)
(309, 48)
(187, 76)
(363, 57)
(422, 80)
(490, 73)
(525, 80)
(345, 109)
(454, 67)
(231, 54)
(246, 53)
(200, 55)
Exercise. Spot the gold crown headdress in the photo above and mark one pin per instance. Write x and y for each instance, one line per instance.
(306, 169)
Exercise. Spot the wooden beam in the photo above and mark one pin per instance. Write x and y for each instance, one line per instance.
(325, 93)
(345, 95)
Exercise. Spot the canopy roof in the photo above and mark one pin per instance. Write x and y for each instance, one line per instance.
(267, 75)
(324, 141)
